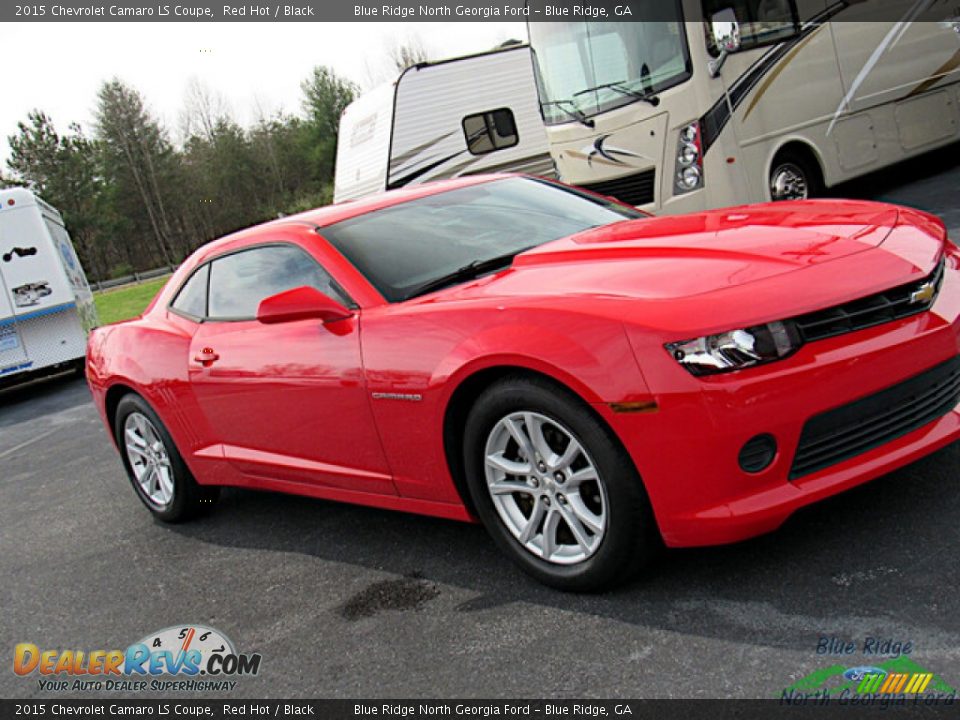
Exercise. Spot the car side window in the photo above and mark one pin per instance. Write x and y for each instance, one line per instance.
(241, 280)
(192, 298)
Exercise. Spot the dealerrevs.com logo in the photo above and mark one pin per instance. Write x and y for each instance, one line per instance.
(181, 657)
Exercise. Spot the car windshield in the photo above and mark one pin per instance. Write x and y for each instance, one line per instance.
(586, 68)
(405, 249)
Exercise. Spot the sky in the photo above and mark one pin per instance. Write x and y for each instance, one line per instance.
(256, 67)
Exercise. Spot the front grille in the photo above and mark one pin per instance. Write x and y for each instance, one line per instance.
(866, 312)
(636, 189)
(850, 430)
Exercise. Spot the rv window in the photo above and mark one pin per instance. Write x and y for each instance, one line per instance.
(192, 298)
(489, 131)
(762, 22)
(241, 280)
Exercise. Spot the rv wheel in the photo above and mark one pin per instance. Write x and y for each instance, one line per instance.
(794, 176)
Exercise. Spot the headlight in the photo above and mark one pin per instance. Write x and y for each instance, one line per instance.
(688, 154)
(689, 162)
(689, 178)
(736, 349)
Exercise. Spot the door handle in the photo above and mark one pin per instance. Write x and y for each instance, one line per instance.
(206, 357)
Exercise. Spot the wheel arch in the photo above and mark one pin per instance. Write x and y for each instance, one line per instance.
(801, 146)
(464, 396)
(111, 401)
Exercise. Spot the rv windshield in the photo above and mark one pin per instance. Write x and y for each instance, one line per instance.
(586, 68)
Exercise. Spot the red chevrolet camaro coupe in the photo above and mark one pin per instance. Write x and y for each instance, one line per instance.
(586, 380)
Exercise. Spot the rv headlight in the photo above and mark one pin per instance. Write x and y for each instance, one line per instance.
(689, 178)
(689, 162)
(736, 349)
(688, 154)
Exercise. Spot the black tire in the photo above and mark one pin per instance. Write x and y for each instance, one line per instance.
(631, 537)
(189, 498)
(804, 166)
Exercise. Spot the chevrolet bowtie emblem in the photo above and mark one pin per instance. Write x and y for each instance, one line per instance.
(923, 294)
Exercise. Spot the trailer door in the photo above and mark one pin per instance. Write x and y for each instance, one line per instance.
(12, 352)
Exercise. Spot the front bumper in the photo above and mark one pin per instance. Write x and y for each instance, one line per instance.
(687, 451)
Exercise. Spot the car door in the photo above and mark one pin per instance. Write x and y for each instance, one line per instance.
(287, 401)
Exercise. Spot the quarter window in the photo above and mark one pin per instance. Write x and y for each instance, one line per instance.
(489, 131)
(192, 298)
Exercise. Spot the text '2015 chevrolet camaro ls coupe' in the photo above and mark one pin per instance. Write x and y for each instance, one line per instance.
(586, 380)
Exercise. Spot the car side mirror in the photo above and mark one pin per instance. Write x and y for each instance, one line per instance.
(726, 37)
(302, 303)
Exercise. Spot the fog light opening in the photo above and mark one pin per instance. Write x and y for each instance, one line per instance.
(758, 453)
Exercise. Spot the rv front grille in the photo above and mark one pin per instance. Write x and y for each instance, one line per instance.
(855, 428)
(636, 189)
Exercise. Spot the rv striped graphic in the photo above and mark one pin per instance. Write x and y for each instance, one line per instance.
(894, 683)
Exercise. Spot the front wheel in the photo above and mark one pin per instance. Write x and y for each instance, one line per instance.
(554, 488)
(155, 467)
(794, 176)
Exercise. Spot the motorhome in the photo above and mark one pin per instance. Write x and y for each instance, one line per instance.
(46, 307)
(723, 102)
(468, 115)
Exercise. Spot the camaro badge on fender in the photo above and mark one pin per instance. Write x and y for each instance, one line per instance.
(413, 397)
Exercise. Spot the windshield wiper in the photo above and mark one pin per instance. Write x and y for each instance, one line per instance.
(471, 270)
(577, 114)
(621, 88)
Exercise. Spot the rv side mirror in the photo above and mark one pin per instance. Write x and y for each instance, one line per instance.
(726, 37)
(726, 31)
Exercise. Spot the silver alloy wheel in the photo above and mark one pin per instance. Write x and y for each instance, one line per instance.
(788, 182)
(149, 459)
(546, 488)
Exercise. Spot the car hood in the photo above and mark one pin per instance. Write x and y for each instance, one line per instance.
(678, 256)
(772, 260)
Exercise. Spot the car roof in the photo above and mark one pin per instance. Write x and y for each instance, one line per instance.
(330, 214)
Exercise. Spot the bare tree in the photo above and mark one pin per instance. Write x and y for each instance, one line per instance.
(203, 110)
(408, 53)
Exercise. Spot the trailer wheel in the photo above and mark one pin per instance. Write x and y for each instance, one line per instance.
(155, 467)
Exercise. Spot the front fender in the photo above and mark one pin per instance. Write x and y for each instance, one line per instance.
(415, 360)
(594, 359)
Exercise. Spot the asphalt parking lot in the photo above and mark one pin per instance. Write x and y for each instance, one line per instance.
(343, 601)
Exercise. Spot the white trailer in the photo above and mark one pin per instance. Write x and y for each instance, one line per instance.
(463, 116)
(46, 307)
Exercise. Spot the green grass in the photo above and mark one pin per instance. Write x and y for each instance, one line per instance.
(126, 302)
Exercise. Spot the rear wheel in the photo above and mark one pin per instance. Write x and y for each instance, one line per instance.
(795, 176)
(554, 488)
(155, 467)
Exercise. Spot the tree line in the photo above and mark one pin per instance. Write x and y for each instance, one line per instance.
(134, 200)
